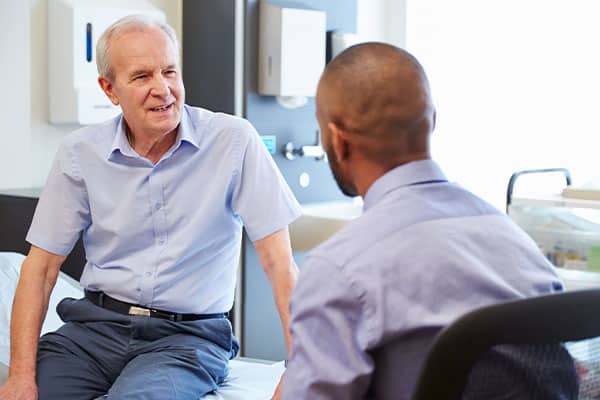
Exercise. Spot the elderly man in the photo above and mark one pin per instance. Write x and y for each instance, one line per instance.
(370, 299)
(161, 194)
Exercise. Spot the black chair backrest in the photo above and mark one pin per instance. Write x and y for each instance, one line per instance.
(553, 318)
(16, 213)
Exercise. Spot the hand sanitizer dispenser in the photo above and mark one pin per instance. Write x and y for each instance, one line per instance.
(74, 27)
(291, 50)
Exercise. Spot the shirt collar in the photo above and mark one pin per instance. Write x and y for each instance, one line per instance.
(187, 129)
(184, 133)
(412, 173)
(120, 142)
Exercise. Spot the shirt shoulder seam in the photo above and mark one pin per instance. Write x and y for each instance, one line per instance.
(359, 293)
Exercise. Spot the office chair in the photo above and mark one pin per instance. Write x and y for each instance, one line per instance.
(549, 319)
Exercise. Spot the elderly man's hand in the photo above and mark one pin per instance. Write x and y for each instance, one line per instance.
(19, 389)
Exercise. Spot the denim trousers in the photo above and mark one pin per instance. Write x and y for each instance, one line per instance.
(101, 353)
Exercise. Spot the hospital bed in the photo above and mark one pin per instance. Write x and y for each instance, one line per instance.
(248, 379)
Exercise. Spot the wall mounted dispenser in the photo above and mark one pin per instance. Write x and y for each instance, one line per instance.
(338, 42)
(74, 27)
(291, 50)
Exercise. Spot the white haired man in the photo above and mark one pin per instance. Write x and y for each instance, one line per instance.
(161, 194)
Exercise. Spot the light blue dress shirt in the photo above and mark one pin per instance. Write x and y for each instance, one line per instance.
(164, 235)
(370, 299)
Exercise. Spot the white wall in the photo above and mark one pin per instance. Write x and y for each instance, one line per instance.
(15, 113)
(27, 140)
(382, 21)
(369, 17)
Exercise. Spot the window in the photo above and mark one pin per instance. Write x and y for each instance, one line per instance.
(516, 86)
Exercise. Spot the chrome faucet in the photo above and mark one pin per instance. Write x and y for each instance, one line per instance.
(312, 151)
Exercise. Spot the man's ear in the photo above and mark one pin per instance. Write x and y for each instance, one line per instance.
(107, 88)
(339, 143)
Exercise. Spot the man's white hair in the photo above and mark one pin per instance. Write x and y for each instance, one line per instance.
(126, 24)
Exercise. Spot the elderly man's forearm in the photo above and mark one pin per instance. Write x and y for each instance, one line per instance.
(38, 276)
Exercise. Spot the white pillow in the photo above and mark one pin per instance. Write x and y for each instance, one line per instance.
(10, 266)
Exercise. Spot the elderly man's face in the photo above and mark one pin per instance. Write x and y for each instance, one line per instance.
(344, 183)
(147, 81)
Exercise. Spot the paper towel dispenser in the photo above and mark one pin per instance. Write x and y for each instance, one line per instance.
(291, 50)
(74, 27)
(338, 42)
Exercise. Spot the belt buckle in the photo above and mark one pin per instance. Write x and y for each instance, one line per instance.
(133, 310)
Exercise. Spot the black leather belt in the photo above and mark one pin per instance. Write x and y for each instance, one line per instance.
(103, 300)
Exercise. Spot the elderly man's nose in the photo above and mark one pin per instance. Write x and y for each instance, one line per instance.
(160, 86)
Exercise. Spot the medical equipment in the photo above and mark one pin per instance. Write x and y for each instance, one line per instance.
(566, 229)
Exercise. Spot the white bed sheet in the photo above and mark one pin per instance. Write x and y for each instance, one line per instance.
(248, 380)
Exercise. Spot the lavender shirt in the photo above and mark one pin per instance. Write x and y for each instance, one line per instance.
(370, 299)
(164, 235)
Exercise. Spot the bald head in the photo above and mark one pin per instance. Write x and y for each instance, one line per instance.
(379, 95)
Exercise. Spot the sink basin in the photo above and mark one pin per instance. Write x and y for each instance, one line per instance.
(320, 220)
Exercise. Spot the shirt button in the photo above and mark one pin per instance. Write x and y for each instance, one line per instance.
(161, 241)
(157, 206)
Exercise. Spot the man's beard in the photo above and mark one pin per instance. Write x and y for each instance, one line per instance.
(345, 186)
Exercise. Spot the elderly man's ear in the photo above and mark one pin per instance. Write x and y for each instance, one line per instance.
(107, 88)
(339, 142)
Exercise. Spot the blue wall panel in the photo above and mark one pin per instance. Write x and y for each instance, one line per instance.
(297, 125)
(208, 57)
(262, 328)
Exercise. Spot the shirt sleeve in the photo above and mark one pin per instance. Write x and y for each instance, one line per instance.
(329, 337)
(261, 196)
(62, 211)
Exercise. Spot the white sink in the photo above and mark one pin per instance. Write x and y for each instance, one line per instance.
(321, 220)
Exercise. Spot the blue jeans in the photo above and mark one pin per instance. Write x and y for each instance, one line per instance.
(100, 352)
